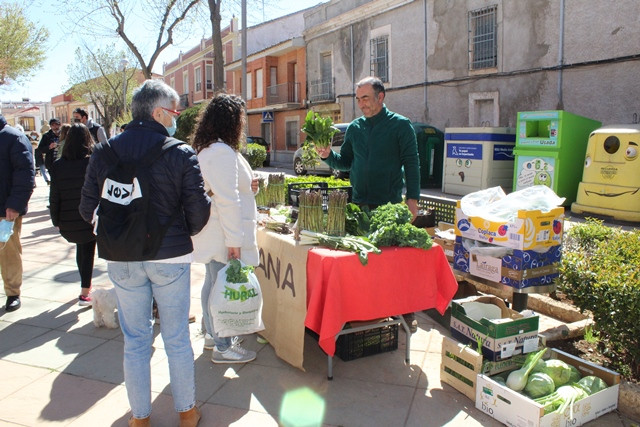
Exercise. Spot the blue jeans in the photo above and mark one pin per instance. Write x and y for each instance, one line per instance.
(136, 283)
(43, 172)
(212, 269)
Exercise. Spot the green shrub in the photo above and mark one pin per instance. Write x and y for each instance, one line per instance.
(600, 273)
(186, 123)
(255, 154)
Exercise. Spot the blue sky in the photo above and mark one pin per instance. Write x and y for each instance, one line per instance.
(51, 80)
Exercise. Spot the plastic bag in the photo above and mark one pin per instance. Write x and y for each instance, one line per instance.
(236, 308)
(6, 230)
(492, 204)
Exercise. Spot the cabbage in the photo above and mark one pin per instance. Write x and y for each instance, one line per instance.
(539, 385)
(559, 371)
(592, 384)
(575, 375)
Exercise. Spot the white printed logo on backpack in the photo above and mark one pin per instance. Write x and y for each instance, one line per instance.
(122, 194)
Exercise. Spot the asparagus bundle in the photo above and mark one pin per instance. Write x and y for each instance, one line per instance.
(276, 192)
(261, 197)
(336, 217)
(310, 215)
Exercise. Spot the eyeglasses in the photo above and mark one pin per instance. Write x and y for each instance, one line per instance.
(174, 112)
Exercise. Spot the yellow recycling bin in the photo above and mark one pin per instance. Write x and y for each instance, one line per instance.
(610, 183)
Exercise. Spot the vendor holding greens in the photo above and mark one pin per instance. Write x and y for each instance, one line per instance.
(376, 148)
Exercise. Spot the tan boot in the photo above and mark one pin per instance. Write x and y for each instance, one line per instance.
(190, 418)
(139, 422)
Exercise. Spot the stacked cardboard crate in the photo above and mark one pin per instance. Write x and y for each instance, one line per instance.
(533, 241)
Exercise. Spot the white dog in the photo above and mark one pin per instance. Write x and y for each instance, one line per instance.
(104, 307)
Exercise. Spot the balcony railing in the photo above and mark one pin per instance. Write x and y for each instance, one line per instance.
(321, 90)
(184, 100)
(285, 93)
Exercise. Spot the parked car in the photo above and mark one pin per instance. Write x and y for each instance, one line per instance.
(322, 167)
(260, 140)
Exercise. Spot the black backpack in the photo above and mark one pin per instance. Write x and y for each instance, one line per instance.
(128, 229)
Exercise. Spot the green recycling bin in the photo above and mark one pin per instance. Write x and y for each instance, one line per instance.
(431, 154)
(550, 150)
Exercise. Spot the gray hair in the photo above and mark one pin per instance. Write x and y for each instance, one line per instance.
(149, 96)
(375, 82)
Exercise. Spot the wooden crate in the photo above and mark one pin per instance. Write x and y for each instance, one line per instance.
(460, 371)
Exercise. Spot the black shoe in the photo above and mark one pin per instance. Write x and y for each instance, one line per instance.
(13, 303)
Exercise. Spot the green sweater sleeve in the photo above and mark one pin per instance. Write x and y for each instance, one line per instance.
(409, 159)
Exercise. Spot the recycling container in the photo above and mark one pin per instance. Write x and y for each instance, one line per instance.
(430, 151)
(611, 176)
(550, 150)
(478, 158)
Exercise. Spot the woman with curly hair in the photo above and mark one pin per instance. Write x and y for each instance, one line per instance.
(231, 230)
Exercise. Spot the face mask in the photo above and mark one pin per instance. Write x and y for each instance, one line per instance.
(6, 230)
(172, 129)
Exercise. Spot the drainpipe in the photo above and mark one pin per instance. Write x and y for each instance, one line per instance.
(353, 77)
(561, 56)
(426, 53)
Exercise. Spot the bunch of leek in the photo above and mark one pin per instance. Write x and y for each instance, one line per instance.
(357, 244)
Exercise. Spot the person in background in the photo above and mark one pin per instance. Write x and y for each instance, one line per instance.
(97, 131)
(17, 179)
(231, 231)
(178, 198)
(49, 143)
(67, 178)
(64, 130)
(381, 153)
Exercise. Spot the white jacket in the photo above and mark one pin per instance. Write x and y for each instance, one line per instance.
(232, 223)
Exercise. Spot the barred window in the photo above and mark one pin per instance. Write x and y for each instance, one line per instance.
(483, 46)
(380, 58)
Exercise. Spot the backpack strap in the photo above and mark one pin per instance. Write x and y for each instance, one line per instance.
(110, 155)
(155, 153)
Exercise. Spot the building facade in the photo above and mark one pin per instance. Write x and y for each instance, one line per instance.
(477, 62)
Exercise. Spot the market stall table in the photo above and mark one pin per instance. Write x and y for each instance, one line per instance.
(323, 289)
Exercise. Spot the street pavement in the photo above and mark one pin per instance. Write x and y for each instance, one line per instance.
(57, 368)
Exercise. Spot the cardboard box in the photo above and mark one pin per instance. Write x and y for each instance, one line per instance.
(521, 269)
(530, 230)
(447, 244)
(514, 409)
(502, 338)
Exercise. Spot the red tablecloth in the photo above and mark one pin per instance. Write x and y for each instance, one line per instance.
(397, 281)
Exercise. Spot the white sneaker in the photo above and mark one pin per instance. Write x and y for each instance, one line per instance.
(234, 354)
(209, 343)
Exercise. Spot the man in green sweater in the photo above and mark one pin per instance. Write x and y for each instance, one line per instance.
(378, 147)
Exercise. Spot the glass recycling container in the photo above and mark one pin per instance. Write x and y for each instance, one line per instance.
(478, 158)
(550, 150)
(611, 178)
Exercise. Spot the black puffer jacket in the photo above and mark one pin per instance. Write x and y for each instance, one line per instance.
(17, 175)
(67, 177)
(177, 181)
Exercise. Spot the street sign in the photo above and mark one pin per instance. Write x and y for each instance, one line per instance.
(267, 117)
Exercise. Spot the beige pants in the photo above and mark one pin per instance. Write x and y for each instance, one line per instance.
(11, 261)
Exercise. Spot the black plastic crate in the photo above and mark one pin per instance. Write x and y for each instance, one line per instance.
(294, 189)
(444, 209)
(367, 343)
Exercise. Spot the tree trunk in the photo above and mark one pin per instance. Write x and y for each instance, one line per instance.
(218, 61)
